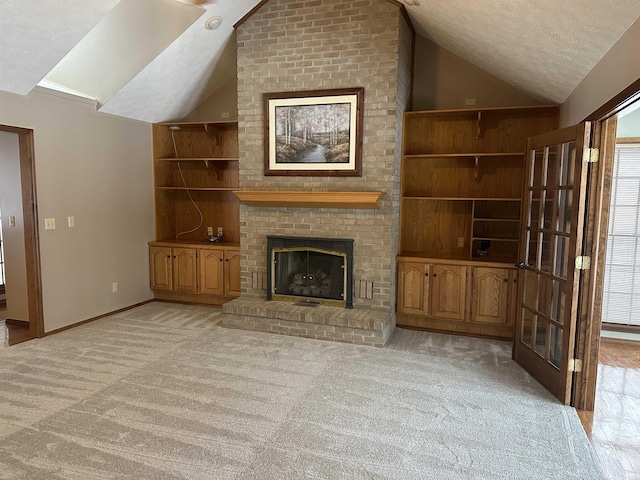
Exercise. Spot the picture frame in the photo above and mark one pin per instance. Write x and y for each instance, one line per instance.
(314, 133)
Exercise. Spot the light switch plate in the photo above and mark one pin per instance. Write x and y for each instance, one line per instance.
(12, 220)
(49, 223)
(71, 221)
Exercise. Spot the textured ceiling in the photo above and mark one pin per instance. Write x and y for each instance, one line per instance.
(185, 73)
(543, 47)
(36, 34)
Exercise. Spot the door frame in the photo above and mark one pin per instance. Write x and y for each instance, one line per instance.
(589, 321)
(31, 235)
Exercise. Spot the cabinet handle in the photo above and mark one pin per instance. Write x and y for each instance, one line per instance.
(220, 259)
(426, 274)
(226, 259)
(506, 280)
(434, 275)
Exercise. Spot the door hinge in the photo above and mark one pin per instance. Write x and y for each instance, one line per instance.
(575, 365)
(591, 155)
(583, 263)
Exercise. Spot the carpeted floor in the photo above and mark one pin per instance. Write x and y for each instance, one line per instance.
(161, 392)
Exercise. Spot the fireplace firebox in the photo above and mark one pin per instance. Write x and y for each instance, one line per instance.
(310, 270)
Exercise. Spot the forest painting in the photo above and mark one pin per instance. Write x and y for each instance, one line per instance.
(312, 134)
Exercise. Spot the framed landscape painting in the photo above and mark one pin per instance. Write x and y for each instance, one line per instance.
(314, 132)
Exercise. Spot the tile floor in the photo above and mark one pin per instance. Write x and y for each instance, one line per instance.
(614, 426)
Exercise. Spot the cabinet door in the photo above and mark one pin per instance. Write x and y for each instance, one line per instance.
(490, 295)
(232, 273)
(160, 268)
(211, 266)
(448, 291)
(413, 288)
(184, 270)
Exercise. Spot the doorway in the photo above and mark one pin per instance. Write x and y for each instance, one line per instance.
(26, 207)
(614, 425)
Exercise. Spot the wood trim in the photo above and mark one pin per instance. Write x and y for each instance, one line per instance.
(614, 327)
(20, 323)
(278, 198)
(626, 140)
(592, 282)
(31, 234)
(623, 99)
(192, 298)
(92, 319)
(31, 238)
(453, 327)
(250, 14)
(524, 108)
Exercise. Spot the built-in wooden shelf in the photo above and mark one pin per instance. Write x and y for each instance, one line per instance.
(464, 199)
(199, 159)
(203, 189)
(463, 155)
(279, 198)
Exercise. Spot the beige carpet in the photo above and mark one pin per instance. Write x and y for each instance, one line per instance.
(161, 392)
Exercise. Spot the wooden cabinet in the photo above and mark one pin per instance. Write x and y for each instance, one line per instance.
(195, 174)
(232, 273)
(161, 268)
(211, 266)
(190, 272)
(491, 295)
(461, 190)
(458, 296)
(432, 290)
(413, 288)
(448, 291)
(220, 272)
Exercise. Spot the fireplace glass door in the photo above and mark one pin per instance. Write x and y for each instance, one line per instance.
(309, 273)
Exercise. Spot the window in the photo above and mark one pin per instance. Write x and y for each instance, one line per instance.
(621, 296)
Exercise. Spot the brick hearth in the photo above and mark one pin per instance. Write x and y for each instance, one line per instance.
(359, 326)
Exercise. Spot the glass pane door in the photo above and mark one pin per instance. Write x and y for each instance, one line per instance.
(553, 209)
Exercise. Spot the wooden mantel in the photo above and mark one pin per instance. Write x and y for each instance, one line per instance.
(305, 199)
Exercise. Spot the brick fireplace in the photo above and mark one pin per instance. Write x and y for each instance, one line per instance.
(289, 45)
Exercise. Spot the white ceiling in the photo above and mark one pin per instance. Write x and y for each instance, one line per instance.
(543, 47)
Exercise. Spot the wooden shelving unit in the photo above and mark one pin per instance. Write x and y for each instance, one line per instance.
(203, 164)
(461, 195)
(195, 162)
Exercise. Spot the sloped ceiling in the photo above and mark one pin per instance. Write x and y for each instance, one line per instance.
(36, 34)
(543, 47)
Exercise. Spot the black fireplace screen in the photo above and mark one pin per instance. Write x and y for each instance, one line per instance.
(310, 270)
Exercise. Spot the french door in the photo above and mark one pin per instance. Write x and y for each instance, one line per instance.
(551, 258)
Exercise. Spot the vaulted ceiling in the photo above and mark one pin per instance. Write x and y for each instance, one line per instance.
(154, 60)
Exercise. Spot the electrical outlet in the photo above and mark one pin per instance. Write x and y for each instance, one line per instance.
(71, 221)
(220, 232)
(210, 231)
(460, 242)
(224, 114)
(114, 287)
(470, 102)
(12, 220)
(49, 223)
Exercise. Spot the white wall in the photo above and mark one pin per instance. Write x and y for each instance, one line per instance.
(443, 80)
(13, 237)
(618, 69)
(97, 168)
